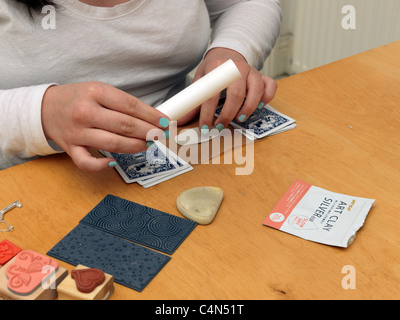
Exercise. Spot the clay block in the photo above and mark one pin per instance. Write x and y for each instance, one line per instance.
(30, 276)
(83, 284)
(8, 250)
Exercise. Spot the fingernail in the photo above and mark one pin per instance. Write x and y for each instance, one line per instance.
(261, 105)
(149, 144)
(112, 164)
(204, 129)
(242, 118)
(219, 126)
(166, 134)
(164, 122)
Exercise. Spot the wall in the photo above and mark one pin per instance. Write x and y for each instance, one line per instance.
(316, 32)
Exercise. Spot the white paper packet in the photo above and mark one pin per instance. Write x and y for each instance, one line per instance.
(319, 215)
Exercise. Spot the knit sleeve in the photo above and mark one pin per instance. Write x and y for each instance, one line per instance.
(21, 133)
(249, 27)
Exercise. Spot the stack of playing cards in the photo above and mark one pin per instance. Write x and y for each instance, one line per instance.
(150, 167)
(263, 122)
(159, 163)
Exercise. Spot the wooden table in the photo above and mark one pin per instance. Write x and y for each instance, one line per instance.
(346, 141)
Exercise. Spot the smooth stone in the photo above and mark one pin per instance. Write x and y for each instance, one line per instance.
(200, 204)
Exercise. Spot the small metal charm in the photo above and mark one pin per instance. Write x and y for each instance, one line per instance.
(7, 227)
(15, 204)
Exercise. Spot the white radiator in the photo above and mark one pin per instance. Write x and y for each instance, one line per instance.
(319, 37)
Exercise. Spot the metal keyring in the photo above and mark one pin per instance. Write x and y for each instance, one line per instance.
(9, 228)
(15, 204)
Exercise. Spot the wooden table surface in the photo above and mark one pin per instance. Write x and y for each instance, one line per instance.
(346, 141)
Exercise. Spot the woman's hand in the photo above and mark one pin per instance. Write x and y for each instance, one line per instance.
(254, 89)
(88, 115)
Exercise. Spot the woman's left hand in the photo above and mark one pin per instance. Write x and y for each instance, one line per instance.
(242, 97)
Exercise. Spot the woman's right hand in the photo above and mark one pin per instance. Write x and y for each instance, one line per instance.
(81, 116)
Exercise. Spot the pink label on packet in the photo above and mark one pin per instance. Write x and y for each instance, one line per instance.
(28, 271)
(286, 204)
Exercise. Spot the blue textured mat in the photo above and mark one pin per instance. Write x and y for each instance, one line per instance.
(140, 224)
(131, 265)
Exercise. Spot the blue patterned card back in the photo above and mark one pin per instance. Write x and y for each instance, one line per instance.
(138, 223)
(131, 265)
(261, 121)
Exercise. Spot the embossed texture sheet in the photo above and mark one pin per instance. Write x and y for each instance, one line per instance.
(100, 240)
(131, 265)
(140, 224)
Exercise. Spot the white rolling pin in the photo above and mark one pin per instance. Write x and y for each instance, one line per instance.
(200, 91)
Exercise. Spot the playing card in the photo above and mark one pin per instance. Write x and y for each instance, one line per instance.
(182, 165)
(263, 122)
(151, 163)
(249, 133)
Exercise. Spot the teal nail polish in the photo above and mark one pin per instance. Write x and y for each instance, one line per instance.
(261, 105)
(149, 144)
(112, 164)
(164, 122)
(204, 129)
(219, 126)
(166, 134)
(242, 118)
